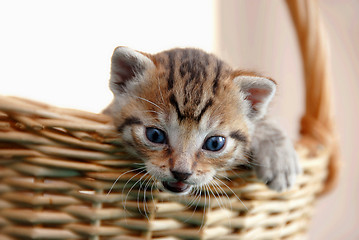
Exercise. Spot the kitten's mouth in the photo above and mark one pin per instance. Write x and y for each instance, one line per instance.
(177, 187)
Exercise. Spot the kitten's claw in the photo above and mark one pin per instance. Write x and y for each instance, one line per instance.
(278, 166)
(276, 162)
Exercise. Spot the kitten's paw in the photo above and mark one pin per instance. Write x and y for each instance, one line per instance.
(277, 164)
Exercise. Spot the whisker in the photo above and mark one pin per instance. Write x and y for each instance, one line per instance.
(221, 204)
(138, 193)
(153, 184)
(118, 178)
(138, 181)
(256, 163)
(223, 192)
(224, 207)
(198, 198)
(147, 111)
(195, 193)
(209, 196)
(124, 187)
(139, 164)
(238, 175)
(251, 160)
(146, 100)
(159, 89)
(145, 207)
(204, 210)
(224, 176)
(232, 192)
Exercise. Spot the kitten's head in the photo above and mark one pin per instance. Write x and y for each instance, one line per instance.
(185, 113)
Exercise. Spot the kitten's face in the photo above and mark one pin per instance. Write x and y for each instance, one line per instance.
(182, 113)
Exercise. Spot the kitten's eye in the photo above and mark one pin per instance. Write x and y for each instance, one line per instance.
(155, 135)
(214, 143)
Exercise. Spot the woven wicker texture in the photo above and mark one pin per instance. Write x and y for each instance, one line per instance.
(58, 167)
(63, 175)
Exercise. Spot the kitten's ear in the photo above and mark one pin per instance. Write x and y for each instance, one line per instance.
(258, 91)
(127, 68)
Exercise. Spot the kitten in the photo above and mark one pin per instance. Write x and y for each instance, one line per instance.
(188, 115)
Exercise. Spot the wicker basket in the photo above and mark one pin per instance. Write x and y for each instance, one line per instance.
(58, 168)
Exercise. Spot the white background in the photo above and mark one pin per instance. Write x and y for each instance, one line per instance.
(59, 52)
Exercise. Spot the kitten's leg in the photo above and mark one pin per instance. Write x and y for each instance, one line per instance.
(274, 157)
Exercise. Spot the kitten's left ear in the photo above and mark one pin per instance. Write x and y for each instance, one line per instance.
(258, 91)
(127, 69)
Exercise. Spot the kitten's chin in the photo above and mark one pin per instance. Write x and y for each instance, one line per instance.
(178, 187)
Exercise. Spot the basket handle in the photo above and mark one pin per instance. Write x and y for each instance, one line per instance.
(317, 124)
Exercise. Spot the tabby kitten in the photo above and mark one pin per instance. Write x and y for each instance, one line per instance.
(188, 115)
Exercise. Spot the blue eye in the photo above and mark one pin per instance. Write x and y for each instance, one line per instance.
(155, 135)
(214, 143)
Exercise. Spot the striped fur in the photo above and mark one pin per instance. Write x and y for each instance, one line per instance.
(190, 95)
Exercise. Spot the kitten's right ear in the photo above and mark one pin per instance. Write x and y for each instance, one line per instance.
(127, 69)
(258, 92)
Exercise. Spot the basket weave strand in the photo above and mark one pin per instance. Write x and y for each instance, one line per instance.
(64, 175)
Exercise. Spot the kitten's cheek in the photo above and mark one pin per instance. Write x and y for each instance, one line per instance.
(160, 172)
(202, 177)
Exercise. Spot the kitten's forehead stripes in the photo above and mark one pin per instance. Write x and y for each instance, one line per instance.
(174, 103)
(193, 67)
(171, 56)
(181, 116)
(194, 70)
(129, 121)
(218, 74)
(194, 63)
(208, 104)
